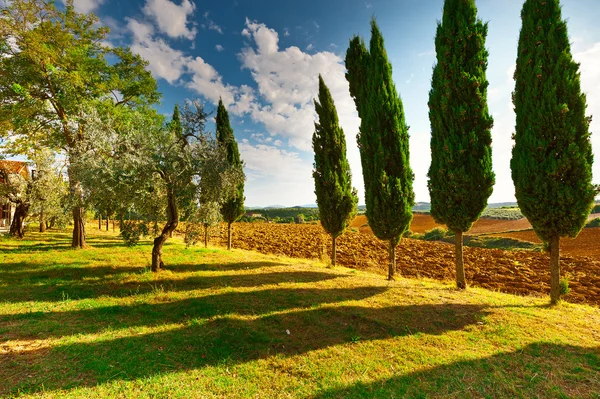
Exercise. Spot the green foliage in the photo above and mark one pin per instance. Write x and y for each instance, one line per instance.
(383, 139)
(233, 208)
(460, 176)
(564, 286)
(504, 213)
(271, 214)
(552, 157)
(596, 208)
(436, 234)
(336, 198)
(593, 223)
(132, 231)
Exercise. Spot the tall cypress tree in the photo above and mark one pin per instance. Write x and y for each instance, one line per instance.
(233, 208)
(460, 176)
(552, 157)
(382, 140)
(336, 198)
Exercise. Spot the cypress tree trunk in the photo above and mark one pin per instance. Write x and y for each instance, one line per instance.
(460, 267)
(392, 266)
(333, 238)
(170, 226)
(555, 269)
(229, 236)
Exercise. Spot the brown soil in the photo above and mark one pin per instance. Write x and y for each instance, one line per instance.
(520, 272)
(587, 242)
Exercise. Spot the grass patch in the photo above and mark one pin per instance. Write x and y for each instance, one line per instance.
(218, 324)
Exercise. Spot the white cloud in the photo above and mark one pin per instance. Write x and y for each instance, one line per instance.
(590, 84)
(310, 47)
(286, 32)
(165, 62)
(86, 6)
(275, 175)
(287, 82)
(210, 24)
(171, 18)
(219, 48)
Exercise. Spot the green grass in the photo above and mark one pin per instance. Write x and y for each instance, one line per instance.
(217, 324)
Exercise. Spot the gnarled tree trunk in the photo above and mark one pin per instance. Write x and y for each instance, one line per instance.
(170, 226)
(42, 222)
(460, 266)
(17, 225)
(392, 266)
(554, 269)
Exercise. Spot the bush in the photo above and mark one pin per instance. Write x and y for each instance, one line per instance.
(564, 286)
(436, 234)
(593, 223)
(596, 208)
(132, 231)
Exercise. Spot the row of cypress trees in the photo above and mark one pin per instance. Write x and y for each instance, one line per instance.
(552, 156)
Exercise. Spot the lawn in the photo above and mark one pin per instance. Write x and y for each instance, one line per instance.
(218, 324)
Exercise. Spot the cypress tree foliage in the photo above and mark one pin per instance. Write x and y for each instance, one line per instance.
(336, 198)
(382, 140)
(460, 176)
(233, 208)
(552, 157)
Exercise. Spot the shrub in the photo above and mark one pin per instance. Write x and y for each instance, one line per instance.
(593, 223)
(564, 286)
(435, 234)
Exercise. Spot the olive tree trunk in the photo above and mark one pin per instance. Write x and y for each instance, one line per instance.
(99, 222)
(78, 240)
(205, 236)
(392, 266)
(229, 236)
(108, 220)
(18, 221)
(554, 269)
(170, 226)
(460, 266)
(42, 222)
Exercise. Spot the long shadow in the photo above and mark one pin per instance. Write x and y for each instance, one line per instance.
(229, 340)
(540, 370)
(42, 325)
(57, 289)
(214, 267)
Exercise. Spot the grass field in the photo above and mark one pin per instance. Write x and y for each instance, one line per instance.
(218, 324)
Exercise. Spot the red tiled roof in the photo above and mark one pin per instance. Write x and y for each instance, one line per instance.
(14, 166)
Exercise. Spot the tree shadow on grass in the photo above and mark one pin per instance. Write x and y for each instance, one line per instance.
(43, 325)
(215, 267)
(540, 370)
(107, 283)
(230, 340)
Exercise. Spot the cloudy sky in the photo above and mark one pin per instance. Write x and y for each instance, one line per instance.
(263, 57)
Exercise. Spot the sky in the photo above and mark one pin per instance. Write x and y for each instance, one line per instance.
(263, 58)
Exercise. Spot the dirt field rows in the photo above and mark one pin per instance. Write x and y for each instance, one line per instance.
(520, 272)
(586, 244)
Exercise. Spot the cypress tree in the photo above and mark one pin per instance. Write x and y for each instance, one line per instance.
(382, 140)
(336, 198)
(233, 208)
(552, 157)
(460, 176)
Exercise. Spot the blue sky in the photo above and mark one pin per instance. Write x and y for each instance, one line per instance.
(263, 58)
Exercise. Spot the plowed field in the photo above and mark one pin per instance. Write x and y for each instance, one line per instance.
(587, 242)
(520, 272)
(422, 222)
